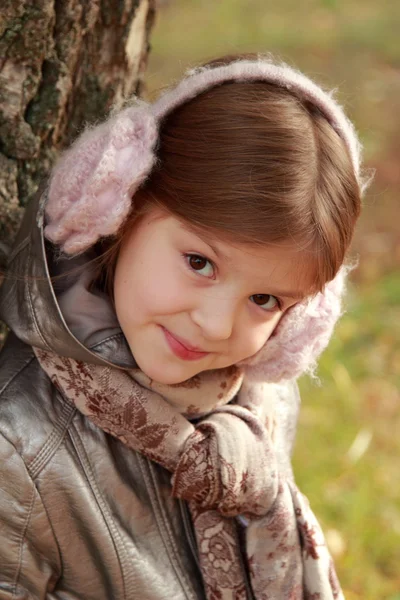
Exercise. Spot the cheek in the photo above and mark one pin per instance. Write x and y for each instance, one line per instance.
(254, 338)
(148, 290)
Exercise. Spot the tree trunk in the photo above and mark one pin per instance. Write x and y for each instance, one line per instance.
(62, 63)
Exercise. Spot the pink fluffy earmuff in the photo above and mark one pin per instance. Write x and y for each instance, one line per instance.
(92, 185)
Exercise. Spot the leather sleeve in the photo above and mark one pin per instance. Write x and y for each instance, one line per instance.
(29, 558)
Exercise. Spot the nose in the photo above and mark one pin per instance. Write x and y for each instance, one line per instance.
(216, 317)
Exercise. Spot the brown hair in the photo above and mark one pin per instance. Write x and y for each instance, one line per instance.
(255, 163)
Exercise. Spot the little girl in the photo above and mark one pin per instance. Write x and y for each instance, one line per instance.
(182, 268)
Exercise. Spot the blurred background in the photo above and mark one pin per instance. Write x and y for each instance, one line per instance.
(347, 453)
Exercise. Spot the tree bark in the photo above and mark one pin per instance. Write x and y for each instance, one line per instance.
(62, 63)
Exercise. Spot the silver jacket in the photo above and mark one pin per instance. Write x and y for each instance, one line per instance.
(82, 516)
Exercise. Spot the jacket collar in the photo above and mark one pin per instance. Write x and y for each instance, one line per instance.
(39, 313)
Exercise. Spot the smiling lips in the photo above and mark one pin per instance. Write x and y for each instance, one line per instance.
(181, 348)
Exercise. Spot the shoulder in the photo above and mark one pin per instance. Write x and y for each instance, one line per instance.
(288, 404)
(287, 408)
(31, 411)
(25, 527)
(286, 398)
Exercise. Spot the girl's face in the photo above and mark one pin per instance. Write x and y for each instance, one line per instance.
(188, 304)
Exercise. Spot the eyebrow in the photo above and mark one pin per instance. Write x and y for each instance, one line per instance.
(288, 294)
(204, 238)
(294, 295)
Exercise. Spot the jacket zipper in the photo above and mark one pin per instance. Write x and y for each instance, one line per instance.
(187, 524)
(249, 590)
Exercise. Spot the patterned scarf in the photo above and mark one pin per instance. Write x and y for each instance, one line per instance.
(223, 465)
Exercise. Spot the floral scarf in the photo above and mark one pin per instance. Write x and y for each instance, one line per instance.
(223, 465)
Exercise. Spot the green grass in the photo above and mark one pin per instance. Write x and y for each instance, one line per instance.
(348, 447)
(347, 452)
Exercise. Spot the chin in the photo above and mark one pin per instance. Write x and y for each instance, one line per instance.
(169, 379)
(165, 376)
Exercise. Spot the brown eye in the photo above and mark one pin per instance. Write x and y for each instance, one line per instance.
(200, 264)
(266, 301)
(197, 262)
